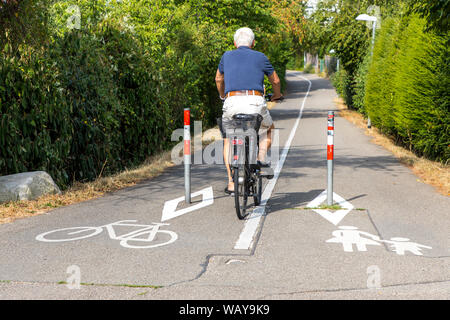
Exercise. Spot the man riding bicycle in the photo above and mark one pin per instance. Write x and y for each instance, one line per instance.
(240, 82)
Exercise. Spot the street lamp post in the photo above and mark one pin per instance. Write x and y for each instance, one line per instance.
(332, 51)
(366, 17)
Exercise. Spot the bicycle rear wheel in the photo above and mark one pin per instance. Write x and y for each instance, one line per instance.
(67, 234)
(240, 192)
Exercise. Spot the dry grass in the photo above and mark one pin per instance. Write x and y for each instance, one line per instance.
(85, 191)
(429, 172)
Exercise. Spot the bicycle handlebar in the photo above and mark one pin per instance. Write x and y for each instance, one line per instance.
(268, 97)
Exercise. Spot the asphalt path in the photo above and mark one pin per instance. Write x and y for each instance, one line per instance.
(393, 243)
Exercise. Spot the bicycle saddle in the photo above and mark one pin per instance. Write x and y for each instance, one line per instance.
(247, 117)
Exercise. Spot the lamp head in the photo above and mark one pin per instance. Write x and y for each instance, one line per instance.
(366, 17)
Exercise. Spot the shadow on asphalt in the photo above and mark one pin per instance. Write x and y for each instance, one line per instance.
(316, 84)
(314, 156)
(287, 114)
(290, 200)
(296, 200)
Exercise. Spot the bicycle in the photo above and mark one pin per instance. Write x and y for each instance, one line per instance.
(146, 233)
(245, 169)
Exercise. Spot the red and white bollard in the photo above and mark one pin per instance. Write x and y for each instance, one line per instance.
(187, 155)
(330, 155)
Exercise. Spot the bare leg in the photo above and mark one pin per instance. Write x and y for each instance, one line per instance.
(226, 151)
(265, 144)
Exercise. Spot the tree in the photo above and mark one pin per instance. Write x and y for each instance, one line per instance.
(435, 12)
(318, 28)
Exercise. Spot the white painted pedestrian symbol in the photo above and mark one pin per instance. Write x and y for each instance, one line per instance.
(137, 239)
(349, 236)
(170, 207)
(333, 217)
(401, 245)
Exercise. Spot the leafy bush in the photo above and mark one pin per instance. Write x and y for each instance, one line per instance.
(295, 62)
(309, 68)
(341, 81)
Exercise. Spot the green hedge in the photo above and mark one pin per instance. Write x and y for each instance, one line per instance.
(34, 130)
(93, 101)
(407, 87)
(79, 108)
(360, 83)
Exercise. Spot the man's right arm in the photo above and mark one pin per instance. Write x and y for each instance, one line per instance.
(220, 83)
(276, 86)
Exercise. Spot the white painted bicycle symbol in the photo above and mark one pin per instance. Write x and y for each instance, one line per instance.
(137, 239)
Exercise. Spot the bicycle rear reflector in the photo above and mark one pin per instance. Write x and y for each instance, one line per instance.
(237, 141)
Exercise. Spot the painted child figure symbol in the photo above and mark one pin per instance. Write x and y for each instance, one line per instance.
(349, 236)
(400, 245)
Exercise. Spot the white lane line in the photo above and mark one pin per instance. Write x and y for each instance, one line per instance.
(246, 237)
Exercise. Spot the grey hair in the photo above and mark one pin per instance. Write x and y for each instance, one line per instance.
(244, 37)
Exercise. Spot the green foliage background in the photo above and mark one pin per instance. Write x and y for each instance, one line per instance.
(83, 102)
(404, 86)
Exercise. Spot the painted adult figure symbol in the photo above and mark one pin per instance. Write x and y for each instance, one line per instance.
(349, 236)
(400, 245)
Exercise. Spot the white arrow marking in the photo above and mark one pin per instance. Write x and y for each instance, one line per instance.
(333, 217)
(170, 207)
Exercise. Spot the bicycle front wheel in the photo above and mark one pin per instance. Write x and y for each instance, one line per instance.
(140, 240)
(240, 192)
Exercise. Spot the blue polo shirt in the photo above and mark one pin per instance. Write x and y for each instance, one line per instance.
(244, 69)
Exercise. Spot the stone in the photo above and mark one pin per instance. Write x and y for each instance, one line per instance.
(26, 186)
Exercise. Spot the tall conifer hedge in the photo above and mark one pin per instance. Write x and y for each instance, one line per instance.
(407, 87)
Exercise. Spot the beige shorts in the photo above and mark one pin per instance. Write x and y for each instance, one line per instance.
(246, 104)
